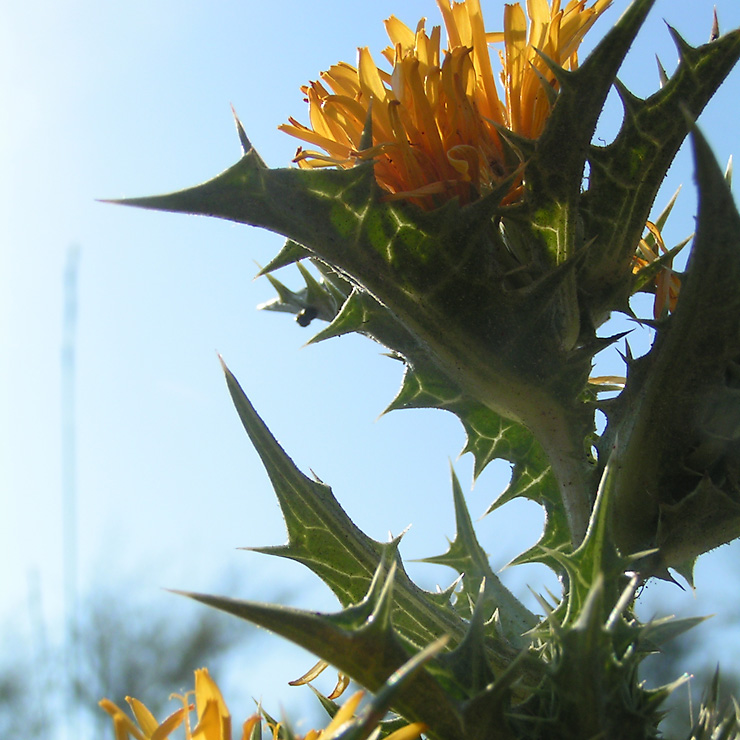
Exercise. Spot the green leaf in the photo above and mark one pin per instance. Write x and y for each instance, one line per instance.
(319, 299)
(678, 418)
(361, 313)
(715, 722)
(556, 170)
(626, 175)
(489, 437)
(657, 632)
(596, 565)
(324, 538)
(290, 253)
(360, 642)
(481, 587)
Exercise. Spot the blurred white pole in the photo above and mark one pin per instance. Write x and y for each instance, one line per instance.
(69, 488)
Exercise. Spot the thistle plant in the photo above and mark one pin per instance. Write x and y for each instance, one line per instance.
(472, 227)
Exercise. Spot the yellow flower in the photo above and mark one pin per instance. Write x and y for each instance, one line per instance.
(213, 718)
(434, 116)
(667, 282)
(346, 714)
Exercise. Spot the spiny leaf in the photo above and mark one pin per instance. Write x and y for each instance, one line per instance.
(467, 661)
(369, 721)
(626, 175)
(360, 642)
(324, 538)
(715, 722)
(481, 587)
(556, 170)
(657, 632)
(596, 564)
(385, 699)
(490, 437)
(532, 478)
(592, 688)
(362, 313)
(684, 391)
(317, 300)
(290, 253)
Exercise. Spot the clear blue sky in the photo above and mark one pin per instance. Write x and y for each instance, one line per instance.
(106, 100)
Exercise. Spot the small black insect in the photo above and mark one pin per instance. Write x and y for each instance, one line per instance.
(306, 315)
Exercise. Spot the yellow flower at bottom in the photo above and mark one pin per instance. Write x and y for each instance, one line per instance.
(213, 718)
(347, 713)
(146, 726)
(434, 119)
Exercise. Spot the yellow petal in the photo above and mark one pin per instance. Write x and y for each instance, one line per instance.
(214, 723)
(539, 17)
(143, 716)
(331, 146)
(206, 691)
(122, 723)
(449, 20)
(425, 107)
(307, 159)
(343, 79)
(488, 103)
(409, 732)
(655, 231)
(339, 688)
(251, 729)
(462, 23)
(345, 713)
(169, 725)
(122, 727)
(427, 49)
(370, 81)
(465, 160)
(372, 88)
(314, 672)
(399, 33)
(515, 40)
(422, 110)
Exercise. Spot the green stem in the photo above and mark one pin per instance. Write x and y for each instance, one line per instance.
(565, 453)
(485, 378)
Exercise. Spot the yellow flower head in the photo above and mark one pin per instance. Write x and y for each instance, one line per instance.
(434, 116)
(213, 718)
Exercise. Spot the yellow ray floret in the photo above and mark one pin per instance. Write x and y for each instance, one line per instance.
(214, 720)
(667, 282)
(435, 114)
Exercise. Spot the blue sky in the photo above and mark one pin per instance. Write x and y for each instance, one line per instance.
(107, 100)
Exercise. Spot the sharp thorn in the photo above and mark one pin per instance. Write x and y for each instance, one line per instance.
(715, 27)
(662, 75)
